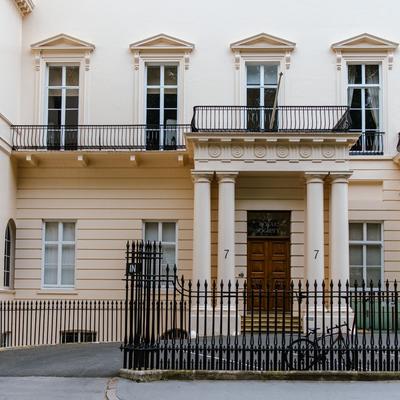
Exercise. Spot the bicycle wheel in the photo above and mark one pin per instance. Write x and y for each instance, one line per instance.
(301, 355)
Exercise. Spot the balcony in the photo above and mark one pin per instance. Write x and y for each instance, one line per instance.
(369, 143)
(98, 137)
(265, 119)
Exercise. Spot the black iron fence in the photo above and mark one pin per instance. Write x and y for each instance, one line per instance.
(99, 137)
(176, 324)
(369, 143)
(267, 119)
(42, 322)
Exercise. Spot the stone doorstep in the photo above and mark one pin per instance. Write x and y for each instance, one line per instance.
(187, 375)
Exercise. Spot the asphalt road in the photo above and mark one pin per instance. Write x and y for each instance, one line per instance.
(67, 360)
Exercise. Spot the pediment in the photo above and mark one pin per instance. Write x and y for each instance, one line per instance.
(63, 42)
(365, 42)
(263, 42)
(162, 42)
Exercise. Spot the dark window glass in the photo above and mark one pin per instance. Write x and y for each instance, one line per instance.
(153, 117)
(170, 98)
(54, 117)
(170, 75)
(170, 117)
(269, 97)
(354, 74)
(356, 119)
(253, 97)
(7, 257)
(153, 75)
(153, 98)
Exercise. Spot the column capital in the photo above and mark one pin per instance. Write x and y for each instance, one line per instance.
(224, 177)
(202, 176)
(340, 177)
(315, 177)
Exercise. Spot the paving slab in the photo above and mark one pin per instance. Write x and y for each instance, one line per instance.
(52, 388)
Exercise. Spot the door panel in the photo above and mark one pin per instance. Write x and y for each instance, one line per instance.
(268, 267)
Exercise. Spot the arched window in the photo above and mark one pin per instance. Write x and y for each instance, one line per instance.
(8, 255)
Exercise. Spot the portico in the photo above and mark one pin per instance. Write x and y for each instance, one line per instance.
(320, 161)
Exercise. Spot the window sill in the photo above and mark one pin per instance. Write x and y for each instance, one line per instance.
(7, 291)
(55, 291)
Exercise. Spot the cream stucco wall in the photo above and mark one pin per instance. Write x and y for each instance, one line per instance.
(109, 199)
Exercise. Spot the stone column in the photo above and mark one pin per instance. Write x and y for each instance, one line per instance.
(202, 227)
(226, 227)
(339, 228)
(314, 238)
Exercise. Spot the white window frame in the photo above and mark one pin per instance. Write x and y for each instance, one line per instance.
(159, 234)
(364, 243)
(59, 244)
(363, 85)
(262, 86)
(63, 89)
(10, 257)
(161, 88)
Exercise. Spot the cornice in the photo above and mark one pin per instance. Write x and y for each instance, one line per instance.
(25, 7)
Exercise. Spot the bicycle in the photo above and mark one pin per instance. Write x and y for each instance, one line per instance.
(304, 353)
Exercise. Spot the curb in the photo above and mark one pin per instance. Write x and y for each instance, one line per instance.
(188, 375)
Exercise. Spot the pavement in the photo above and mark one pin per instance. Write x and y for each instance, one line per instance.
(89, 371)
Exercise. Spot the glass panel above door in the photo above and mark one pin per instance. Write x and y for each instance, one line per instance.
(268, 223)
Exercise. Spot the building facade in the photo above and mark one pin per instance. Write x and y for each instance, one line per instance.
(266, 157)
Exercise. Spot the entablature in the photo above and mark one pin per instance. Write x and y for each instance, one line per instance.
(274, 151)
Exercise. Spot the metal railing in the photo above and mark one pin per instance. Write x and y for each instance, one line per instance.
(266, 119)
(99, 137)
(43, 322)
(369, 143)
(174, 323)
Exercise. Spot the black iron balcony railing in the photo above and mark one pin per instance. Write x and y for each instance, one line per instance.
(369, 143)
(267, 119)
(99, 137)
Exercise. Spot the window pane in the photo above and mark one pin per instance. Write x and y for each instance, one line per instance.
(170, 75)
(356, 255)
(374, 255)
(371, 119)
(374, 275)
(354, 74)
(373, 231)
(269, 97)
(356, 119)
(151, 231)
(253, 97)
(170, 117)
(168, 232)
(270, 74)
(170, 98)
(67, 276)
(71, 117)
(72, 98)
(54, 117)
(72, 76)
(169, 255)
(356, 274)
(253, 74)
(153, 117)
(69, 232)
(354, 97)
(372, 97)
(153, 98)
(153, 75)
(372, 74)
(51, 231)
(55, 76)
(356, 231)
(54, 100)
(50, 275)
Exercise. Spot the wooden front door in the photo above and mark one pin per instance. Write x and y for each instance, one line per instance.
(268, 267)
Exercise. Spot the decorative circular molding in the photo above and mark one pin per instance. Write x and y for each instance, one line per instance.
(237, 151)
(214, 150)
(328, 151)
(260, 151)
(305, 151)
(282, 151)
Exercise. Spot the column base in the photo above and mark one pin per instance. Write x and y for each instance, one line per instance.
(215, 323)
